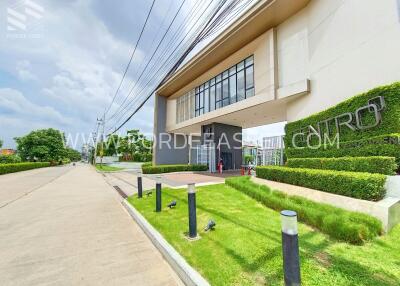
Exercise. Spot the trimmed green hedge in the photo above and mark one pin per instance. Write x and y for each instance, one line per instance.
(363, 186)
(376, 164)
(18, 167)
(390, 116)
(352, 227)
(385, 145)
(172, 168)
(10, 159)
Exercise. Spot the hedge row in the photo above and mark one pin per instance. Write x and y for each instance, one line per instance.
(376, 164)
(18, 167)
(172, 168)
(340, 224)
(385, 145)
(390, 116)
(363, 186)
(10, 159)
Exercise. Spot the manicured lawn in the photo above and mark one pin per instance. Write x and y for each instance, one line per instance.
(105, 168)
(245, 247)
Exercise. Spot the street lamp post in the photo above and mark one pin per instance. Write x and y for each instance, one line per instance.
(290, 248)
(158, 193)
(192, 211)
(139, 184)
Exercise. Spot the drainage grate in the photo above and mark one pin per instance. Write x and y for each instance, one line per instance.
(122, 194)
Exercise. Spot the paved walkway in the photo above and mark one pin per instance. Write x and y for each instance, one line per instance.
(65, 226)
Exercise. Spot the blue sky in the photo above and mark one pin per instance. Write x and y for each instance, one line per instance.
(63, 68)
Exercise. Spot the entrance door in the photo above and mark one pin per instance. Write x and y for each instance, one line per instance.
(227, 159)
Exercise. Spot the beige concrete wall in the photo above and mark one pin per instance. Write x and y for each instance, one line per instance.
(264, 51)
(343, 47)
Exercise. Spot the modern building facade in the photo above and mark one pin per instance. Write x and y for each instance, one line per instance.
(281, 61)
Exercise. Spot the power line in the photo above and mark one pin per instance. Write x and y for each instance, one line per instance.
(218, 18)
(132, 55)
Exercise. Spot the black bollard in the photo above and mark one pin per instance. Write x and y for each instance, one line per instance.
(139, 185)
(158, 194)
(192, 211)
(290, 248)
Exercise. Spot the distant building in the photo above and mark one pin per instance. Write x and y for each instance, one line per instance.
(7, 152)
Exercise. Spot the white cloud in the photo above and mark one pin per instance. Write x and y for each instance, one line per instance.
(24, 70)
(17, 105)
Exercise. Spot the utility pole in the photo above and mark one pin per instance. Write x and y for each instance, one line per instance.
(95, 136)
(102, 121)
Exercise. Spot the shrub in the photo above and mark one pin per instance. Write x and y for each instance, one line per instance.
(172, 168)
(390, 116)
(363, 186)
(9, 159)
(18, 167)
(385, 145)
(352, 227)
(375, 164)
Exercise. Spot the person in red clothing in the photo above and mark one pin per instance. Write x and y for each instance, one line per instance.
(220, 165)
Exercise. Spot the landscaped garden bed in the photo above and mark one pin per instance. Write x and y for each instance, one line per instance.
(245, 247)
(19, 167)
(159, 169)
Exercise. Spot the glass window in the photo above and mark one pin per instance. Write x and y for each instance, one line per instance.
(212, 81)
(206, 100)
(240, 86)
(225, 74)
(250, 77)
(225, 92)
(206, 85)
(212, 98)
(250, 92)
(218, 91)
(232, 88)
(249, 61)
(218, 78)
(232, 70)
(240, 66)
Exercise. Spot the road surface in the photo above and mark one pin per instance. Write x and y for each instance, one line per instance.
(66, 226)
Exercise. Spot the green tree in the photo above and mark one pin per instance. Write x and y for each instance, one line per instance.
(45, 145)
(1, 143)
(73, 155)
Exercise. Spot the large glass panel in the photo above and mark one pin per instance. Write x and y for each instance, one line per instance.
(218, 78)
(201, 99)
(192, 107)
(232, 88)
(212, 98)
(225, 92)
(240, 66)
(206, 100)
(249, 61)
(250, 77)
(240, 86)
(225, 74)
(250, 92)
(218, 92)
(232, 70)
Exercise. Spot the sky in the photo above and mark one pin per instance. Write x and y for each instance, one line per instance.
(61, 63)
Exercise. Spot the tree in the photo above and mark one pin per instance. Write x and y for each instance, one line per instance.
(73, 155)
(45, 145)
(1, 143)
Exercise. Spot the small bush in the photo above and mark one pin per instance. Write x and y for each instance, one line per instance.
(172, 168)
(363, 186)
(351, 227)
(18, 167)
(10, 159)
(375, 164)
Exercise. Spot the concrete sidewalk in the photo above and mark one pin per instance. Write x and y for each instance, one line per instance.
(73, 231)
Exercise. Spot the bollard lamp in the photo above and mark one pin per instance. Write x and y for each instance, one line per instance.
(289, 222)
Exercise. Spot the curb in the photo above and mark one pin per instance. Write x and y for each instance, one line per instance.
(188, 275)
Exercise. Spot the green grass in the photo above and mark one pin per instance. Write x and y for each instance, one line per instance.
(245, 247)
(105, 168)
